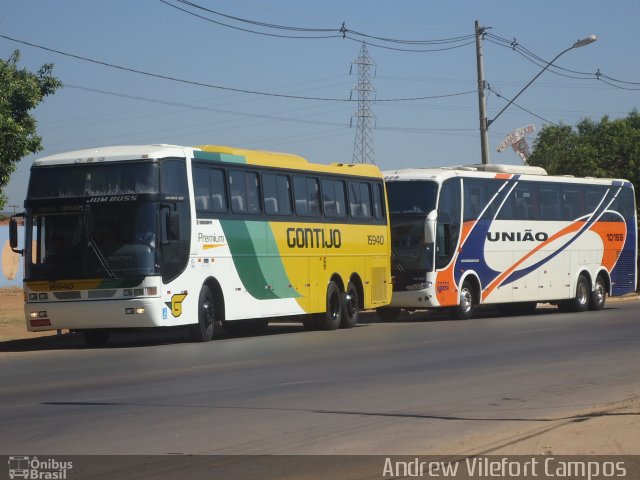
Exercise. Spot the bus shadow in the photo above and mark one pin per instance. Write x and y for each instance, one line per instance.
(173, 336)
(119, 339)
(482, 312)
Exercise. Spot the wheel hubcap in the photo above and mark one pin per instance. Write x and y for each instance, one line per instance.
(465, 300)
(599, 292)
(335, 306)
(207, 314)
(351, 305)
(582, 293)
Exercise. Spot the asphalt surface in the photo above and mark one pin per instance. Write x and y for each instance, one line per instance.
(421, 385)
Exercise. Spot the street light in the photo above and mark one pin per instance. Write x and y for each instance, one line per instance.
(485, 123)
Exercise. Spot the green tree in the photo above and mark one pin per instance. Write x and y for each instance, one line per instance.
(608, 148)
(20, 92)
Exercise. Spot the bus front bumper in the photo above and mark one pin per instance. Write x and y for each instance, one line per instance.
(424, 298)
(130, 313)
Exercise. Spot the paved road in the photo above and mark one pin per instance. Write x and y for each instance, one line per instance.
(421, 385)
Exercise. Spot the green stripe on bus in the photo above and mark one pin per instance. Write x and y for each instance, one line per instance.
(261, 272)
(218, 157)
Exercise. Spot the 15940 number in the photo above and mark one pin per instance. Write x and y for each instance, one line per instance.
(375, 239)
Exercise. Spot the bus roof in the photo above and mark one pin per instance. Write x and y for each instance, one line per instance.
(221, 153)
(110, 154)
(488, 171)
(287, 160)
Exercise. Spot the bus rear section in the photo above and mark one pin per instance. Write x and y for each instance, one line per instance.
(509, 236)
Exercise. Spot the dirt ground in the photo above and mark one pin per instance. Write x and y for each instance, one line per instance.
(603, 430)
(12, 323)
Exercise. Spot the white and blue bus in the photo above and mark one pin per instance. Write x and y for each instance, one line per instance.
(508, 235)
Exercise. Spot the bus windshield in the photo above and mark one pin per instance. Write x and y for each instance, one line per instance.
(409, 204)
(88, 180)
(93, 241)
(412, 197)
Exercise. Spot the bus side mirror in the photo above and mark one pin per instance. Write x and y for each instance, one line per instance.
(430, 227)
(13, 234)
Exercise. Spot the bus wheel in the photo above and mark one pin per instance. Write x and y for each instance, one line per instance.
(330, 319)
(465, 307)
(350, 307)
(581, 301)
(388, 314)
(599, 294)
(96, 338)
(203, 330)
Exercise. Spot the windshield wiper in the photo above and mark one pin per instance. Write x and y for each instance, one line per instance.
(101, 259)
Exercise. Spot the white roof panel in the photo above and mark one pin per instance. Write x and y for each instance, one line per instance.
(110, 154)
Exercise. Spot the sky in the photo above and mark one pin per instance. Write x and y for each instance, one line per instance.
(172, 68)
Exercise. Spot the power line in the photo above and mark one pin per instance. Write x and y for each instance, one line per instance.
(449, 131)
(342, 31)
(556, 69)
(205, 108)
(220, 87)
(255, 22)
(520, 107)
(336, 35)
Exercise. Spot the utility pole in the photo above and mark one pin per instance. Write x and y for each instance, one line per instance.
(363, 147)
(482, 101)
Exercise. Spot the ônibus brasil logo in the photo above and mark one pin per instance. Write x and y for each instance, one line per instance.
(38, 469)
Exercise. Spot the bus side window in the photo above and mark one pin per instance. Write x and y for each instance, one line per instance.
(245, 191)
(572, 203)
(593, 196)
(334, 198)
(277, 194)
(306, 193)
(218, 190)
(550, 201)
(359, 200)
(478, 193)
(378, 206)
(201, 188)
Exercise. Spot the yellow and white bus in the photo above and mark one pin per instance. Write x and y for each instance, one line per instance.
(508, 235)
(160, 236)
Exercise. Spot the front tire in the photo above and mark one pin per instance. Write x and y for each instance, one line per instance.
(203, 330)
(466, 304)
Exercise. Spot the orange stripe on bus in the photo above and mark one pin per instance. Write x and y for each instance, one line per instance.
(493, 285)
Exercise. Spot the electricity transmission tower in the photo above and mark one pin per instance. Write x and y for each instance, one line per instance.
(365, 119)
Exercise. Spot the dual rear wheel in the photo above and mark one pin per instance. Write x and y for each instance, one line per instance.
(341, 309)
(585, 298)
